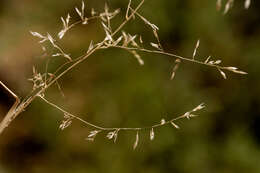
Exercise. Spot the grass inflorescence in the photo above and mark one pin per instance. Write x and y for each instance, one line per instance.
(113, 38)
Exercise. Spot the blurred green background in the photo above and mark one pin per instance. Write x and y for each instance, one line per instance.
(111, 89)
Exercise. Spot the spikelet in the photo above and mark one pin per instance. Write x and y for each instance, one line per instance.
(136, 140)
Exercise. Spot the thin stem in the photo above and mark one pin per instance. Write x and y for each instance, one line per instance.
(114, 128)
(168, 54)
(75, 117)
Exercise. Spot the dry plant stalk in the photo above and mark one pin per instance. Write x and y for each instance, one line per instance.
(126, 41)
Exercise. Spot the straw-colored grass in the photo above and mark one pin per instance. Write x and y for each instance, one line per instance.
(131, 43)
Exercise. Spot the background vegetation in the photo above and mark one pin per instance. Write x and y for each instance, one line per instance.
(112, 89)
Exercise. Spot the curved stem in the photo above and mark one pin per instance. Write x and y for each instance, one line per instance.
(113, 128)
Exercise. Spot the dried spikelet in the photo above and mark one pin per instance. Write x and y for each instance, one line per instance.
(43, 48)
(175, 125)
(235, 70)
(61, 33)
(64, 22)
(154, 27)
(140, 39)
(102, 17)
(155, 34)
(155, 45)
(219, 4)
(92, 135)
(131, 39)
(116, 12)
(222, 74)
(108, 36)
(231, 68)
(66, 122)
(68, 19)
(247, 4)
(57, 54)
(93, 12)
(115, 43)
(51, 39)
(113, 134)
(175, 68)
(110, 135)
(67, 56)
(163, 121)
(217, 62)
(90, 46)
(199, 107)
(81, 13)
(106, 16)
(228, 5)
(193, 115)
(85, 21)
(151, 134)
(36, 34)
(136, 140)
(133, 43)
(62, 54)
(187, 115)
(126, 40)
(207, 60)
(173, 74)
(65, 26)
(195, 50)
(106, 28)
(157, 38)
(138, 57)
(239, 72)
(37, 79)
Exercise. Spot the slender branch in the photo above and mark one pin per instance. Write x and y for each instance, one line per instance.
(168, 54)
(74, 116)
(113, 128)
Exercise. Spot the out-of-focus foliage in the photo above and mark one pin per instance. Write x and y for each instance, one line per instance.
(111, 89)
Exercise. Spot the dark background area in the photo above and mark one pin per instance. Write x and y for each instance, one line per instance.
(111, 89)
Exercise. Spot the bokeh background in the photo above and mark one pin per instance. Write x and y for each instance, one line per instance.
(111, 89)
